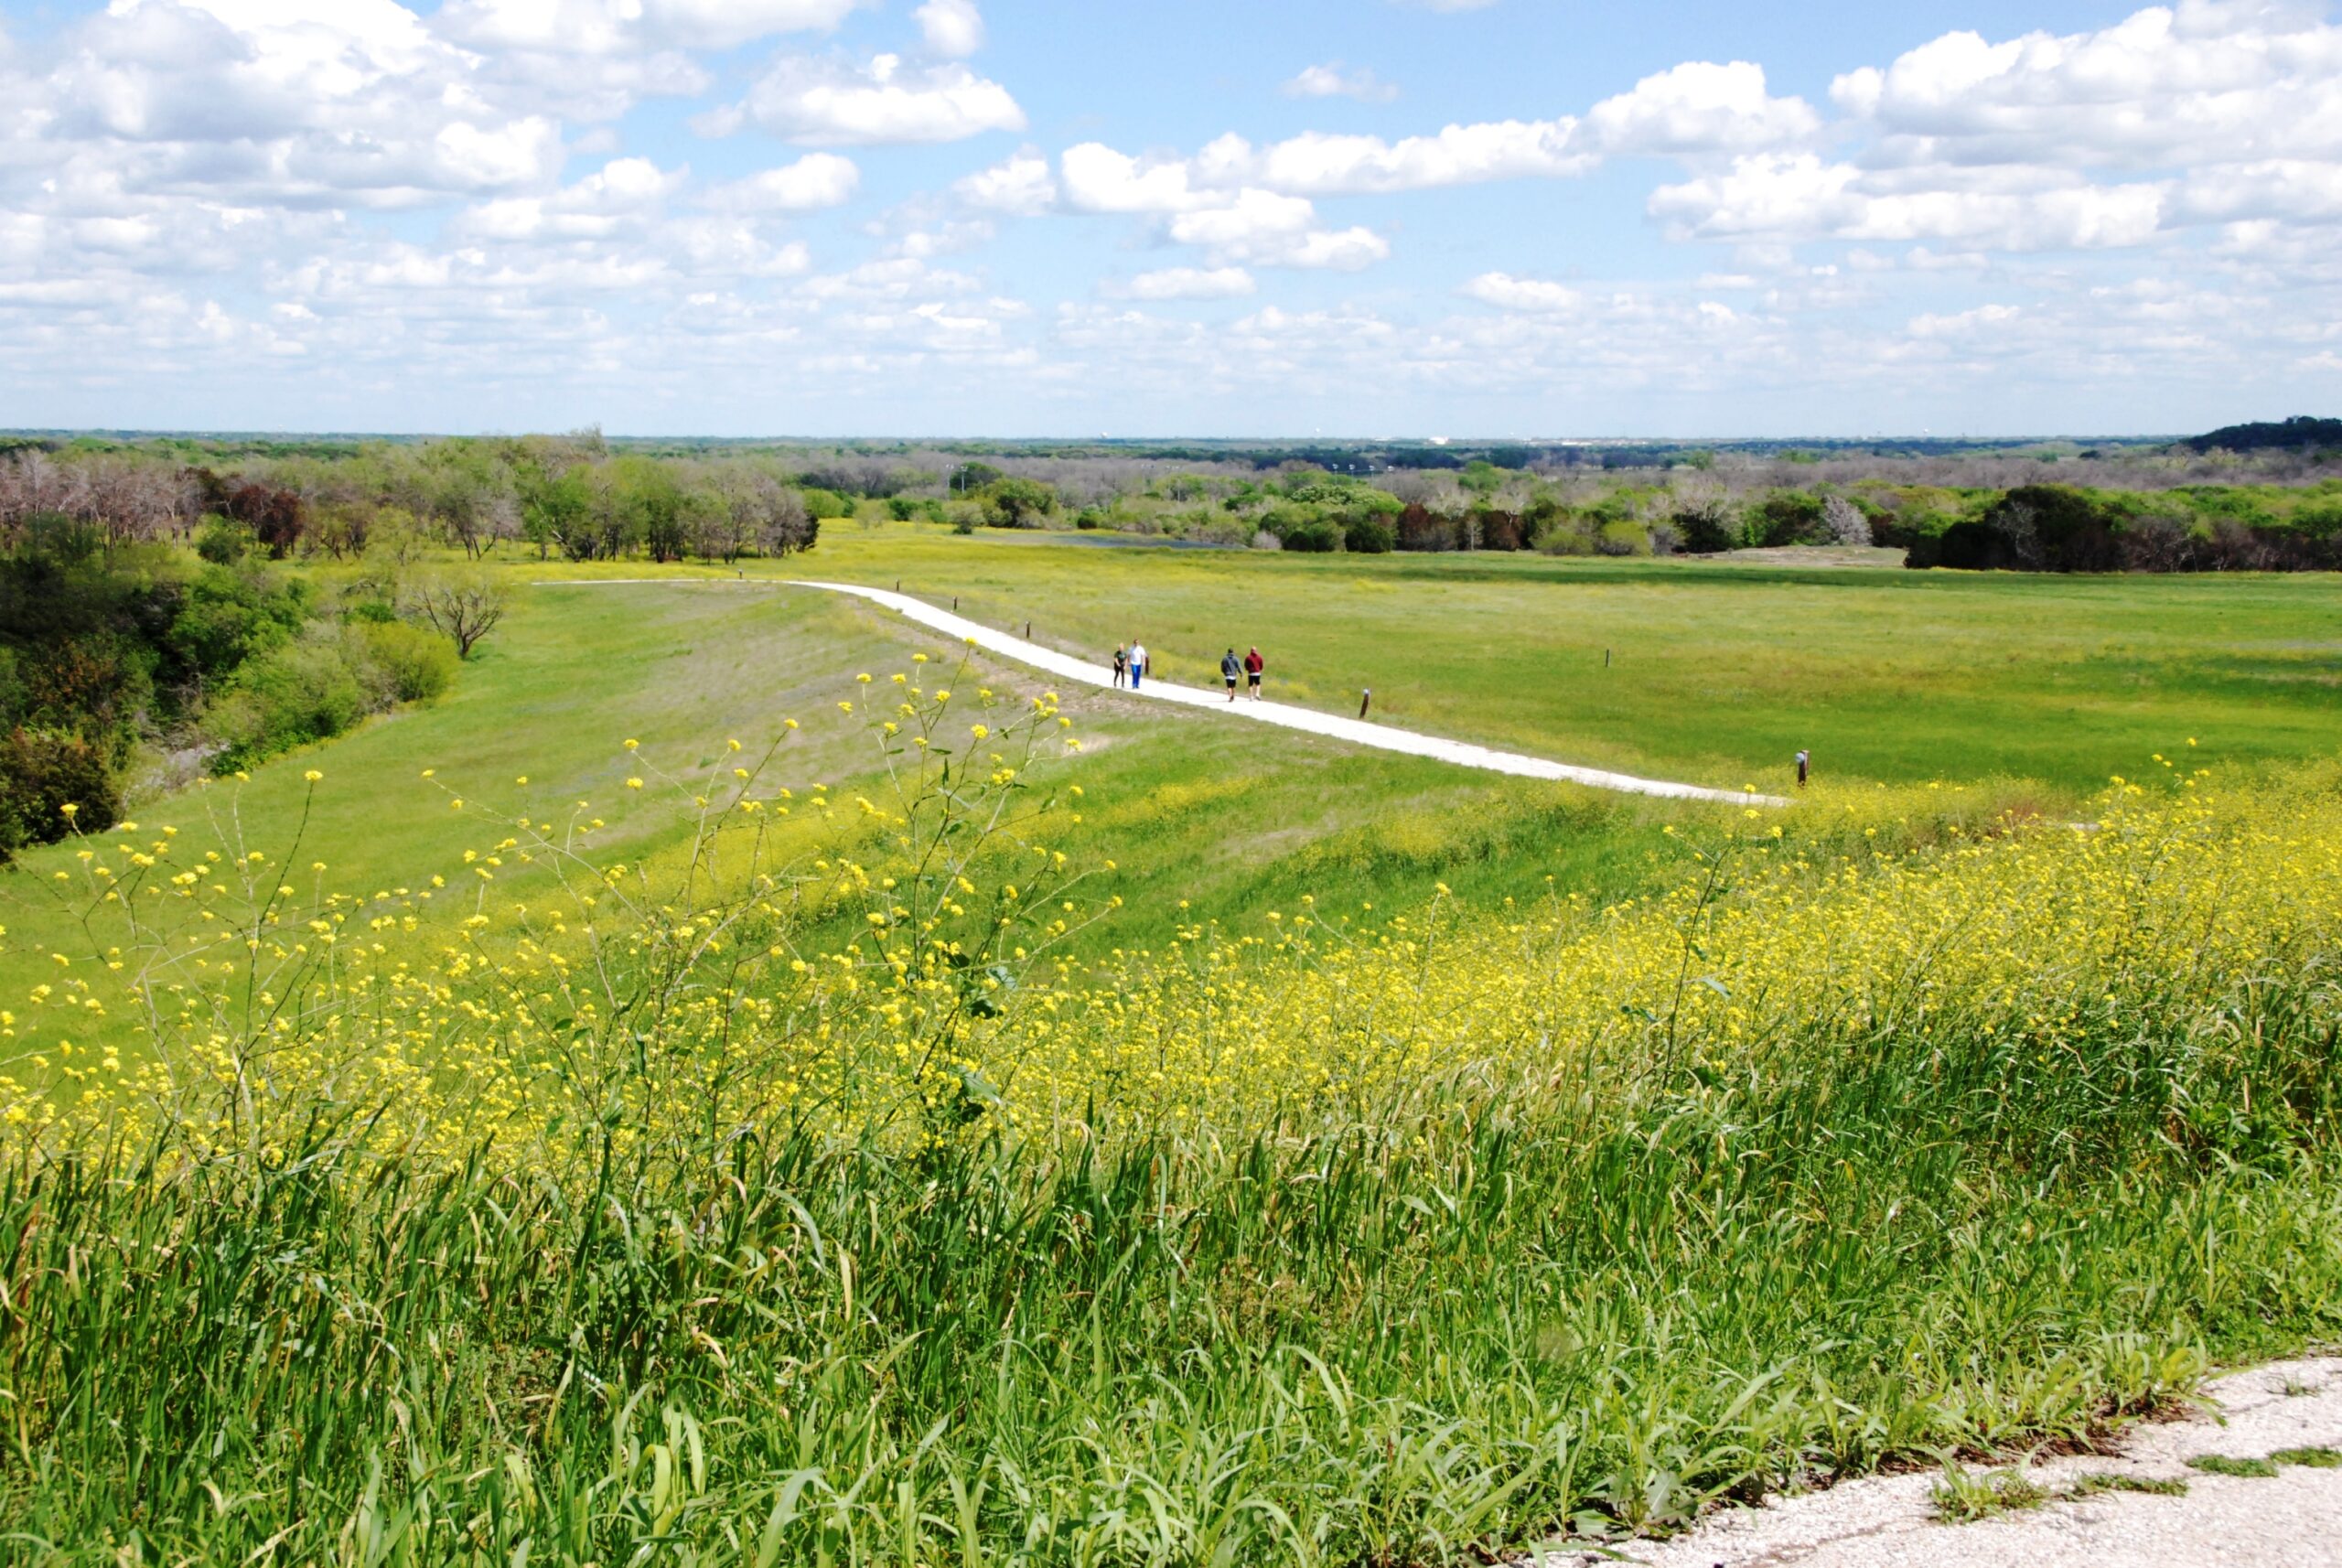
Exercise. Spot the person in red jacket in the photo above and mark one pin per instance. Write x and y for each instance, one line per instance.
(1253, 665)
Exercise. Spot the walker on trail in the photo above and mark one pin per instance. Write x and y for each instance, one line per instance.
(1138, 662)
(1121, 666)
(1229, 668)
(1253, 666)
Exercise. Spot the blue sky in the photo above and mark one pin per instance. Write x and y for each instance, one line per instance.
(1338, 217)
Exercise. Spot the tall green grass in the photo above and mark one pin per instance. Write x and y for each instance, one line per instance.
(1505, 1315)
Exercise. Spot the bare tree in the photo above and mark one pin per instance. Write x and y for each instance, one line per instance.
(462, 606)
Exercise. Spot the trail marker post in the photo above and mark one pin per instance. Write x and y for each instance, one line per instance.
(1366, 701)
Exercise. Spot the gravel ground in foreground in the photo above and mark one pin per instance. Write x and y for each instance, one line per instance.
(2293, 1520)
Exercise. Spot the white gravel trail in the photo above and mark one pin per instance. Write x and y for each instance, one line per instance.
(2293, 1520)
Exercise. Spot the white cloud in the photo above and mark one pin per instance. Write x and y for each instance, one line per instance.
(831, 103)
(1317, 164)
(951, 28)
(1696, 109)
(1700, 108)
(2206, 80)
(1963, 324)
(2208, 112)
(1184, 283)
(249, 98)
(1536, 296)
(614, 26)
(1332, 79)
(1021, 186)
(1264, 228)
(1799, 196)
(813, 182)
(622, 192)
(1099, 179)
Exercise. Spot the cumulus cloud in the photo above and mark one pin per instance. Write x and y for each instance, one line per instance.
(623, 192)
(814, 181)
(1537, 295)
(1334, 80)
(1021, 186)
(1801, 196)
(2208, 112)
(951, 28)
(833, 102)
(1696, 109)
(612, 26)
(1700, 108)
(1265, 229)
(2207, 80)
(362, 103)
(1184, 283)
(1318, 164)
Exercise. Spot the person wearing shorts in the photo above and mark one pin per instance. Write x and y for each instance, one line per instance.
(1253, 665)
(1229, 669)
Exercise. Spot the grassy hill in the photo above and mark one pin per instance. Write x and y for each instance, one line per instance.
(2028, 692)
(648, 1205)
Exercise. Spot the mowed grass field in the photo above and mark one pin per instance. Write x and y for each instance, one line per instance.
(1718, 671)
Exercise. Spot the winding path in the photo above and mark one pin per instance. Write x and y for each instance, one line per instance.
(1357, 732)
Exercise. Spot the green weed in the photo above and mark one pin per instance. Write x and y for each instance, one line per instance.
(2312, 1458)
(2096, 1483)
(1963, 1497)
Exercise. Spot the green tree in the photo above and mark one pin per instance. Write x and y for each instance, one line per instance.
(1017, 503)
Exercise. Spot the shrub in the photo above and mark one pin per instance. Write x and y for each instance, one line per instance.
(1264, 540)
(902, 508)
(407, 663)
(822, 505)
(306, 692)
(1704, 530)
(230, 615)
(223, 542)
(1375, 534)
(1620, 537)
(1017, 503)
(1786, 516)
(1313, 536)
(42, 773)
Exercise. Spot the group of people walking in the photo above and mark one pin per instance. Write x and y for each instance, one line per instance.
(1131, 669)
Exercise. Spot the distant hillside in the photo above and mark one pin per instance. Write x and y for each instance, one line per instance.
(2301, 431)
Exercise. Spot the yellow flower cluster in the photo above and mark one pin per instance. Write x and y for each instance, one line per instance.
(891, 968)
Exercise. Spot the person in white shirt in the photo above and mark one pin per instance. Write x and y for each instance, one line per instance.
(1138, 662)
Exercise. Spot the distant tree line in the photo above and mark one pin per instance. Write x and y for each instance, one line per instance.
(579, 496)
(557, 496)
(2300, 434)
